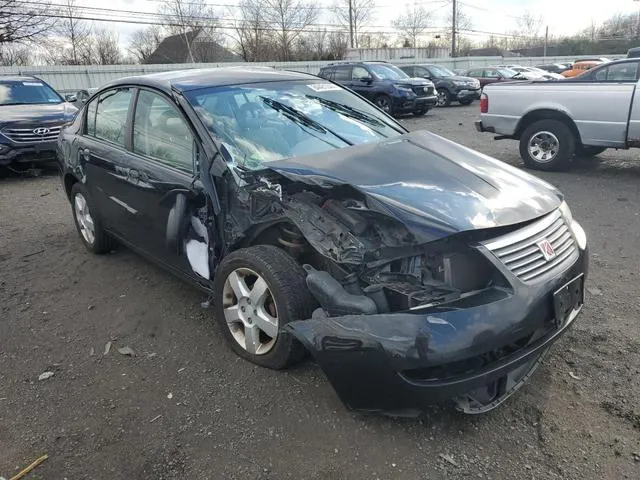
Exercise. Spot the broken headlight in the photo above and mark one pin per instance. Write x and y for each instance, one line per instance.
(576, 228)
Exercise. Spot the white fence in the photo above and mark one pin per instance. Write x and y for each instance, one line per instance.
(73, 78)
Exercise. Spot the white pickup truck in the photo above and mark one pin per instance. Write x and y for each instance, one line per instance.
(557, 121)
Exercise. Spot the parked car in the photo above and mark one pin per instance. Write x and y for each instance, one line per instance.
(553, 68)
(633, 52)
(488, 75)
(533, 73)
(450, 87)
(83, 95)
(31, 116)
(579, 68)
(388, 87)
(318, 223)
(555, 120)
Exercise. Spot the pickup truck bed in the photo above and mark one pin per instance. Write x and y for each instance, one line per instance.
(556, 120)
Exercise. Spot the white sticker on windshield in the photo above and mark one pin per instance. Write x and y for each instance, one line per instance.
(32, 84)
(323, 87)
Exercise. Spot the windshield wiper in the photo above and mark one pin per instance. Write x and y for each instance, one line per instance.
(353, 113)
(300, 118)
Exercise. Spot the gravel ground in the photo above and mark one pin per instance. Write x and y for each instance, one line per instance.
(186, 407)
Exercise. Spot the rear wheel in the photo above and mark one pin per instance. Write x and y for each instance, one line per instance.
(257, 291)
(383, 102)
(547, 145)
(586, 151)
(444, 98)
(88, 224)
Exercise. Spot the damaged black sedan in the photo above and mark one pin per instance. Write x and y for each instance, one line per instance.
(413, 269)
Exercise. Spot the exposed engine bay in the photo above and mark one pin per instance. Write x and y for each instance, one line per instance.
(358, 261)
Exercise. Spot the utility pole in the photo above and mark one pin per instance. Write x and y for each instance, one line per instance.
(546, 41)
(352, 43)
(453, 30)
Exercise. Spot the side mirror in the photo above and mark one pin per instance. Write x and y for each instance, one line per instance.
(71, 98)
(366, 79)
(177, 224)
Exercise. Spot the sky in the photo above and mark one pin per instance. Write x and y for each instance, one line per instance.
(563, 17)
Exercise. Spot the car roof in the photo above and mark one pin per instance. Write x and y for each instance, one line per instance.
(364, 62)
(194, 79)
(17, 78)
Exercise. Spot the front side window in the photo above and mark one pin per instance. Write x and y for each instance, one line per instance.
(621, 72)
(260, 123)
(27, 92)
(160, 132)
(387, 72)
(111, 116)
(359, 73)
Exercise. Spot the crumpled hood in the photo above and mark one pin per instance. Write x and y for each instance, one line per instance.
(35, 114)
(432, 185)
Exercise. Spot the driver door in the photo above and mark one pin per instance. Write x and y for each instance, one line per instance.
(359, 83)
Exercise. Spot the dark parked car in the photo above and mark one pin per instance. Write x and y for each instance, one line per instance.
(487, 75)
(554, 68)
(31, 116)
(385, 85)
(413, 269)
(450, 87)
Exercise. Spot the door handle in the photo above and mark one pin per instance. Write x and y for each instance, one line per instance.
(86, 154)
(134, 174)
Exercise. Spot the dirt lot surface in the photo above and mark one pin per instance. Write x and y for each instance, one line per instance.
(186, 407)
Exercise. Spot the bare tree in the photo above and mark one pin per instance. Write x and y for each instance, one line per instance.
(76, 34)
(253, 34)
(21, 22)
(288, 19)
(362, 13)
(107, 47)
(337, 44)
(529, 29)
(413, 23)
(14, 54)
(144, 42)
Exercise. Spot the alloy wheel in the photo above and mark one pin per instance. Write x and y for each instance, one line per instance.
(250, 311)
(383, 104)
(84, 218)
(543, 147)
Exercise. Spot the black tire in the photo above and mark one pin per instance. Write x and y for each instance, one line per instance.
(444, 97)
(102, 242)
(566, 145)
(586, 151)
(466, 101)
(384, 103)
(285, 279)
(420, 113)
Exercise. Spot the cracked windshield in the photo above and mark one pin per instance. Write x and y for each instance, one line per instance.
(260, 123)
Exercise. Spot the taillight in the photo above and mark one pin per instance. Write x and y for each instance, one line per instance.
(484, 103)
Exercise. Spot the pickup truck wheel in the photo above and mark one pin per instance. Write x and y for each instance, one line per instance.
(257, 291)
(547, 145)
(444, 98)
(586, 151)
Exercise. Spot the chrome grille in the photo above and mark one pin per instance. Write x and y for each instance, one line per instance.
(28, 135)
(520, 252)
(421, 91)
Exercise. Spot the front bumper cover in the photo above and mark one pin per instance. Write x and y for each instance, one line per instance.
(387, 362)
(27, 153)
(414, 104)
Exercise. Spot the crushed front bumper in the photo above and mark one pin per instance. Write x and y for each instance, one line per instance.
(403, 361)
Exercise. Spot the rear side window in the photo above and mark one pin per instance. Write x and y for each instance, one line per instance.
(620, 72)
(342, 74)
(111, 116)
(161, 133)
(327, 73)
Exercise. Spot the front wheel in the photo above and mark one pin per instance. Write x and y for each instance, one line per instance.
(547, 145)
(87, 222)
(383, 102)
(257, 291)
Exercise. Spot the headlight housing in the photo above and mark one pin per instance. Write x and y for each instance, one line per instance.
(577, 230)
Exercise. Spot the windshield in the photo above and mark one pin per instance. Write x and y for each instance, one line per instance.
(441, 71)
(264, 122)
(29, 92)
(507, 72)
(387, 72)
